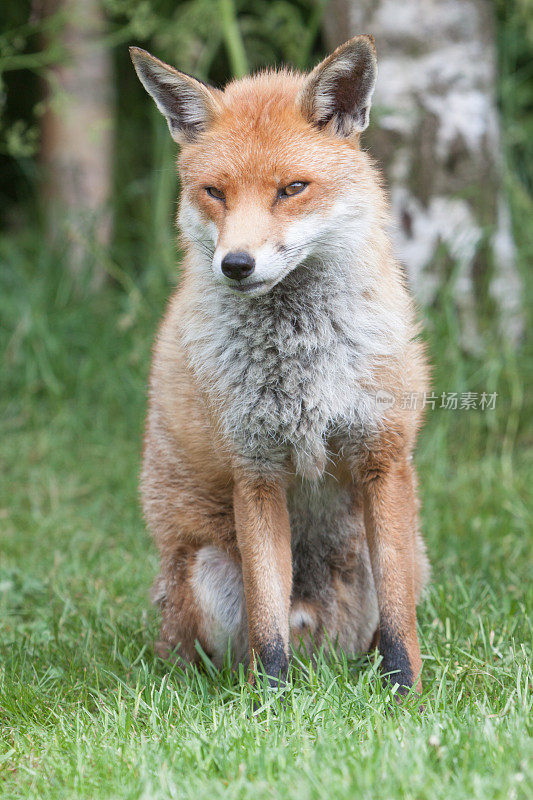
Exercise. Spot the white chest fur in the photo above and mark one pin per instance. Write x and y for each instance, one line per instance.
(287, 369)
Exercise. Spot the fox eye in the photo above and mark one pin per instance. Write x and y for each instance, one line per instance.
(292, 189)
(214, 192)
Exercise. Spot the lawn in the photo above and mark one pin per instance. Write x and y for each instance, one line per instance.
(86, 708)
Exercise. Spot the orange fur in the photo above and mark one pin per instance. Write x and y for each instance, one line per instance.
(199, 490)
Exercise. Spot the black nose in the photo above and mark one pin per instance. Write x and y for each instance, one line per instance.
(238, 265)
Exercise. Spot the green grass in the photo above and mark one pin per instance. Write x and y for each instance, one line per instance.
(87, 710)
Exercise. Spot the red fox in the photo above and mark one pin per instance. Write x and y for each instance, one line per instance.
(281, 493)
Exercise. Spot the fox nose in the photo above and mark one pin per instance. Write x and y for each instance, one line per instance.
(238, 265)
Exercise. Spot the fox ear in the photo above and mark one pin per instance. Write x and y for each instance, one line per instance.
(186, 103)
(339, 89)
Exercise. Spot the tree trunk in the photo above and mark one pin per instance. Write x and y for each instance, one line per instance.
(77, 135)
(436, 135)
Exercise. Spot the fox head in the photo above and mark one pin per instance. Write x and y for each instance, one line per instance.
(271, 171)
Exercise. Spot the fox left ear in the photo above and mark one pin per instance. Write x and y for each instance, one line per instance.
(339, 89)
(187, 104)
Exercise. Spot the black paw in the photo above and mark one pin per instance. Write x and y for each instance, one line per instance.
(272, 662)
(395, 666)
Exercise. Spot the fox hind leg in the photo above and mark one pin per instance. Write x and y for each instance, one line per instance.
(202, 599)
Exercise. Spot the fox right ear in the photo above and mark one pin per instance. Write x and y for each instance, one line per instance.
(339, 89)
(186, 103)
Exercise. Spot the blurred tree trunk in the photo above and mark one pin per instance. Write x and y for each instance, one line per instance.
(77, 134)
(436, 135)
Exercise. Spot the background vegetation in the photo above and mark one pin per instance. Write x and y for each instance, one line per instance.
(86, 710)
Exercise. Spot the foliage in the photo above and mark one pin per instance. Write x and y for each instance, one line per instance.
(515, 46)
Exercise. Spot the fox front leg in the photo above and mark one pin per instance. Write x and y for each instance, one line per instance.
(390, 521)
(264, 539)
